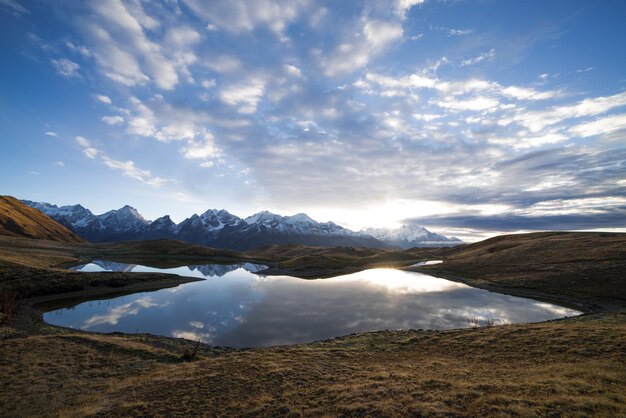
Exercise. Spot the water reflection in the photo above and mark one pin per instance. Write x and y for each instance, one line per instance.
(248, 310)
(426, 263)
(201, 271)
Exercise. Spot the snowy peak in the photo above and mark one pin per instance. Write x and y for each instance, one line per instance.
(164, 222)
(411, 235)
(264, 217)
(299, 218)
(218, 219)
(125, 213)
(69, 215)
(299, 223)
(125, 218)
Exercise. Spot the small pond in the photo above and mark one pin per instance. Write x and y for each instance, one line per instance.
(236, 307)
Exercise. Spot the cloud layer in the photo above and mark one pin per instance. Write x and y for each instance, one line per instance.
(315, 105)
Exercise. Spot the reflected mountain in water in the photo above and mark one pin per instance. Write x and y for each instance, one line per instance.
(202, 270)
(219, 270)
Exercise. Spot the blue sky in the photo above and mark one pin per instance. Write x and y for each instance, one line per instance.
(471, 118)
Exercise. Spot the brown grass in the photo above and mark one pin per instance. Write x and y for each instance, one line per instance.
(18, 219)
(8, 304)
(584, 266)
(572, 367)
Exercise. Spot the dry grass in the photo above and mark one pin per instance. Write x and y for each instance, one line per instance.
(18, 219)
(8, 304)
(583, 266)
(573, 367)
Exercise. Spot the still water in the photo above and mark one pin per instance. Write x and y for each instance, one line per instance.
(235, 307)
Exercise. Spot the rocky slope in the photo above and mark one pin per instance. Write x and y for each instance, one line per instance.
(20, 220)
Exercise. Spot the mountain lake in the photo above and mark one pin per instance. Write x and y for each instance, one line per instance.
(237, 306)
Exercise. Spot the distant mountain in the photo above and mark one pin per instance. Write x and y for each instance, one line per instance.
(409, 236)
(115, 225)
(20, 220)
(221, 229)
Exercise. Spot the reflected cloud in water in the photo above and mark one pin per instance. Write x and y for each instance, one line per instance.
(242, 309)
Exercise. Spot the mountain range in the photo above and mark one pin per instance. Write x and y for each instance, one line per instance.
(221, 229)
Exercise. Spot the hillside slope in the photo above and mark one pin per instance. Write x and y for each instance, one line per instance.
(592, 264)
(20, 220)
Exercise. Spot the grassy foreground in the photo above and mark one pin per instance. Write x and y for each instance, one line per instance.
(572, 367)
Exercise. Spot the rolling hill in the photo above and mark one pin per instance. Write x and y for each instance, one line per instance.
(20, 220)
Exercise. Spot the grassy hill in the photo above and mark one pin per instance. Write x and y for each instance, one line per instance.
(20, 220)
(589, 266)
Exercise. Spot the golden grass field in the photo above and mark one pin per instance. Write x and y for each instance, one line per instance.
(570, 367)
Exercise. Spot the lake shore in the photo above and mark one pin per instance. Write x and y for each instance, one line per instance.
(569, 366)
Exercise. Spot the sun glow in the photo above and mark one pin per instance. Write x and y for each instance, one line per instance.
(393, 213)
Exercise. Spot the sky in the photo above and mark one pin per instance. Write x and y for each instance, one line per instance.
(471, 118)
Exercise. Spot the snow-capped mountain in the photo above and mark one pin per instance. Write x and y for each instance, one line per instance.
(123, 220)
(115, 225)
(299, 223)
(410, 235)
(221, 229)
(160, 228)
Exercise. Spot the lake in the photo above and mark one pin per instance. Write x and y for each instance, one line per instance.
(235, 307)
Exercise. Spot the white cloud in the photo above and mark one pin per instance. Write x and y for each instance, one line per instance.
(201, 149)
(293, 70)
(122, 49)
(602, 126)
(182, 36)
(460, 32)
(356, 51)
(65, 67)
(525, 142)
(485, 56)
(245, 95)
(426, 117)
(379, 34)
(14, 6)
(79, 49)
(113, 120)
(89, 151)
(244, 16)
(223, 63)
(59, 163)
(104, 99)
(523, 93)
(406, 85)
(129, 169)
(207, 84)
(537, 120)
(402, 6)
(475, 104)
(161, 121)
(51, 133)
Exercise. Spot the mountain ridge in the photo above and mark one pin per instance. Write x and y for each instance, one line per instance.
(218, 228)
